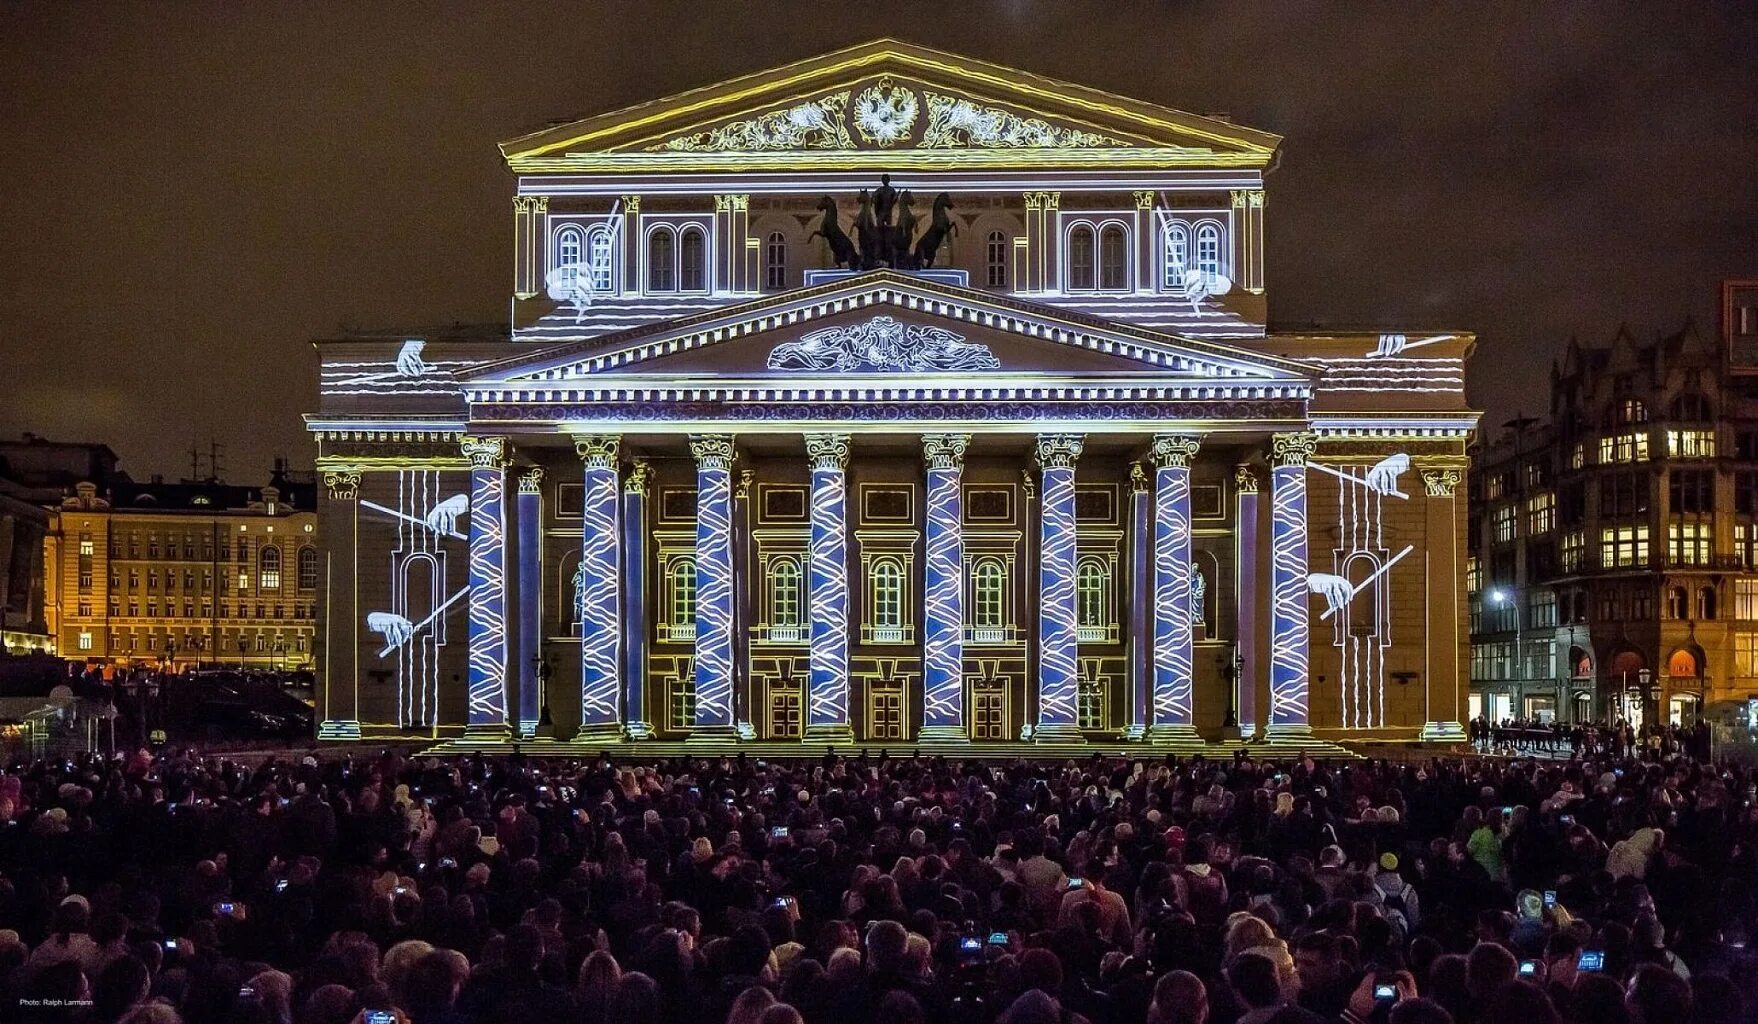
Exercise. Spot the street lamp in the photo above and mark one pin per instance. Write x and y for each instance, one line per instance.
(540, 667)
(1231, 664)
(1650, 708)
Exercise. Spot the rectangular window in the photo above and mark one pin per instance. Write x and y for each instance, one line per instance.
(1537, 474)
(1496, 486)
(1623, 547)
(1541, 513)
(1541, 609)
(153, 546)
(1642, 603)
(1610, 605)
(1689, 543)
(85, 641)
(1578, 456)
(1690, 444)
(1623, 448)
(1746, 600)
(1476, 615)
(1502, 523)
(1691, 491)
(1746, 654)
(1622, 495)
(85, 580)
(1473, 574)
(152, 579)
(1574, 551)
(85, 609)
(86, 549)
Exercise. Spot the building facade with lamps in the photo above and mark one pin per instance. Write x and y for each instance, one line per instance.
(892, 397)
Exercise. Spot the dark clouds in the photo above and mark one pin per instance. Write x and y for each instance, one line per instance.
(188, 193)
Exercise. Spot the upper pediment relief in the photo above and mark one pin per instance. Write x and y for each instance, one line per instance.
(893, 103)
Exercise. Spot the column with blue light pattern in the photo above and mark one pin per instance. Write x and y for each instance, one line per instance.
(943, 699)
(487, 712)
(526, 661)
(600, 585)
(714, 586)
(827, 696)
(1173, 635)
(1288, 609)
(1058, 638)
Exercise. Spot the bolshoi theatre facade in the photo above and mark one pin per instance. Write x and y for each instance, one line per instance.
(892, 398)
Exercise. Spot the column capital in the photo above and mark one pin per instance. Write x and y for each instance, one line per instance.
(640, 472)
(743, 491)
(827, 451)
(945, 451)
(722, 203)
(1177, 451)
(1255, 198)
(1238, 197)
(539, 204)
(1059, 451)
(1144, 199)
(1029, 484)
(1293, 449)
(531, 480)
(1138, 479)
(597, 451)
(484, 452)
(521, 204)
(1245, 479)
(1034, 200)
(712, 451)
(342, 484)
(631, 204)
(1052, 200)
(1440, 483)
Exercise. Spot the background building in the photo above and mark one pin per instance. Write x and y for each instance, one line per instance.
(196, 573)
(1614, 548)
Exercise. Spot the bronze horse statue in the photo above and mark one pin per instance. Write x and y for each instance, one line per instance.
(939, 228)
(867, 232)
(842, 251)
(904, 233)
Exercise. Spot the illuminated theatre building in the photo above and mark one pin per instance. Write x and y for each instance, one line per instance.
(729, 483)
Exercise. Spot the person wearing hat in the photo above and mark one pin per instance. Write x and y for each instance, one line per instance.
(1398, 895)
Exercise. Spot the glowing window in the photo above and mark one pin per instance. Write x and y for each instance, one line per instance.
(887, 594)
(1080, 258)
(85, 641)
(683, 591)
(1690, 444)
(989, 591)
(1090, 584)
(1208, 249)
(786, 589)
(599, 246)
(570, 246)
(1176, 254)
(662, 261)
(269, 568)
(996, 260)
(307, 568)
(775, 261)
(693, 272)
(1113, 258)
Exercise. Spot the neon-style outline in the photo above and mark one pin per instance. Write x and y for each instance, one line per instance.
(943, 598)
(827, 700)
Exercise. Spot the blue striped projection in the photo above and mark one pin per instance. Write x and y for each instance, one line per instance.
(714, 580)
(827, 699)
(1288, 609)
(1172, 625)
(529, 516)
(1058, 673)
(600, 620)
(488, 549)
(943, 601)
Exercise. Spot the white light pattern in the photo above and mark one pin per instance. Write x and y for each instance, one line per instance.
(599, 603)
(829, 597)
(714, 581)
(1172, 627)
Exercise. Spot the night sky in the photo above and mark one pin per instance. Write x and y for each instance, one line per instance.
(189, 193)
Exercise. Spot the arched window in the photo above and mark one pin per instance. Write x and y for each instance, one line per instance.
(1113, 258)
(786, 588)
(1682, 665)
(1091, 582)
(1176, 255)
(308, 568)
(1080, 258)
(601, 257)
(1691, 407)
(693, 274)
(1208, 249)
(887, 594)
(662, 261)
(1675, 603)
(269, 568)
(682, 586)
(989, 594)
(995, 256)
(1706, 604)
(570, 246)
(775, 261)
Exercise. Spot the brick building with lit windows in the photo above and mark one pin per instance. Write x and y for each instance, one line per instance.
(192, 574)
(1613, 570)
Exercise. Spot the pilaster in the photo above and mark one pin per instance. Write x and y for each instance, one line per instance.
(487, 721)
(1248, 561)
(526, 659)
(827, 718)
(1058, 638)
(341, 647)
(714, 587)
(635, 562)
(1174, 671)
(597, 594)
(1289, 629)
(1444, 599)
(943, 692)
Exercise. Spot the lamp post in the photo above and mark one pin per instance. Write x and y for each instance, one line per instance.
(243, 645)
(1500, 597)
(1231, 665)
(540, 667)
(1650, 709)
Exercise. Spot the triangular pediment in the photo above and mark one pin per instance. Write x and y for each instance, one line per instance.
(888, 326)
(909, 105)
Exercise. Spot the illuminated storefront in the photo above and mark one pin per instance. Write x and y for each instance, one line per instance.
(893, 397)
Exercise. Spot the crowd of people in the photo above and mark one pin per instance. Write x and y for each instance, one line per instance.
(1616, 740)
(167, 888)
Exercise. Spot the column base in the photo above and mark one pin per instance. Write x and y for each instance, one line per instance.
(1135, 733)
(831, 733)
(944, 736)
(338, 729)
(745, 731)
(486, 733)
(1288, 734)
(638, 731)
(1443, 732)
(528, 728)
(715, 735)
(598, 734)
(1064, 733)
(1174, 734)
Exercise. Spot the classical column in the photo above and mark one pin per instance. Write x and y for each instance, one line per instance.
(827, 698)
(527, 269)
(597, 597)
(943, 697)
(742, 594)
(528, 513)
(630, 240)
(341, 613)
(635, 564)
(1058, 667)
(1173, 636)
(487, 719)
(1253, 272)
(714, 586)
(1442, 603)
(1140, 641)
(1245, 534)
(1288, 609)
(1032, 277)
(1052, 238)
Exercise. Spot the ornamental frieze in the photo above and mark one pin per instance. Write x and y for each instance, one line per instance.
(894, 411)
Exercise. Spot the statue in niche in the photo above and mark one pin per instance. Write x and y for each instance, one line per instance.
(904, 233)
(1199, 592)
(842, 251)
(867, 232)
(940, 227)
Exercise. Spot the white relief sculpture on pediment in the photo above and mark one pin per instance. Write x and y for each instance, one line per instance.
(885, 345)
(885, 113)
(958, 123)
(817, 124)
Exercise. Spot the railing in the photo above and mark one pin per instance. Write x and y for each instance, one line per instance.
(682, 632)
(1093, 634)
(986, 634)
(887, 635)
(785, 634)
